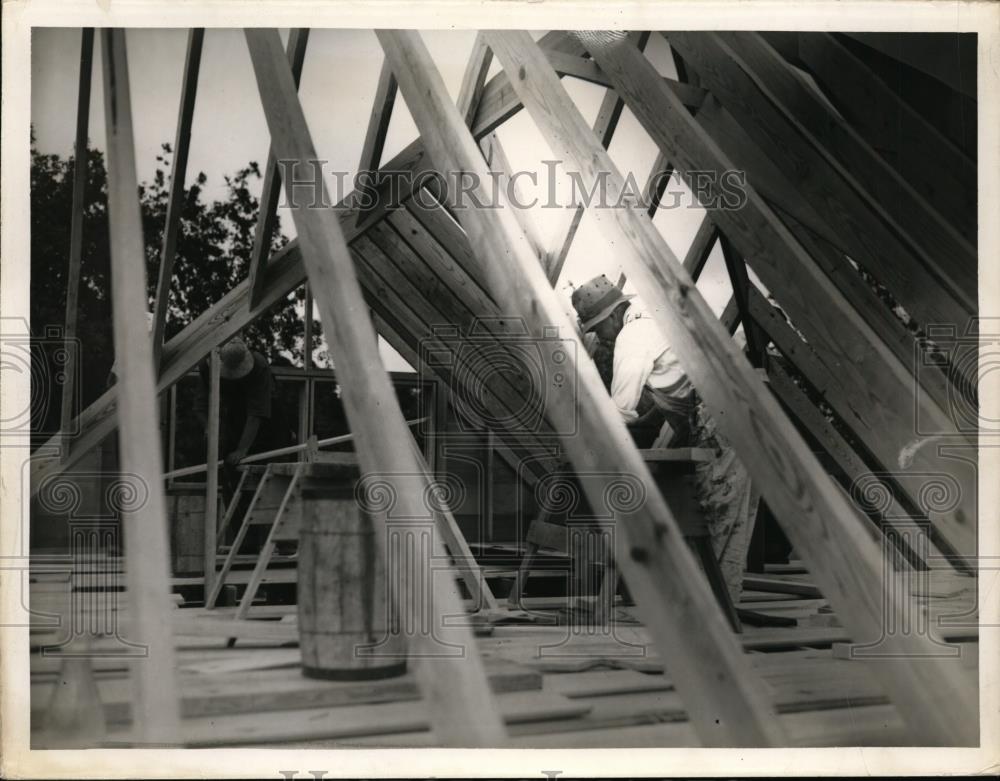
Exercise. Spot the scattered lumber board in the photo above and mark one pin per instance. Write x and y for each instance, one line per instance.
(279, 689)
(600, 682)
(357, 721)
(780, 586)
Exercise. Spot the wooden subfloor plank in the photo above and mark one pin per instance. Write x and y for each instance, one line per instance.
(279, 690)
(361, 720)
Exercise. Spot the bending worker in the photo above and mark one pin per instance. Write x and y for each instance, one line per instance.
(247, 419)
(659, 405)
(648, 384)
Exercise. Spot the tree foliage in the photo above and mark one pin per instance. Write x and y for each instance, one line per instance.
(213, 253)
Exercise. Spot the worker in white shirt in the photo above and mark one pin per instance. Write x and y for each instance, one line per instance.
(644, 367)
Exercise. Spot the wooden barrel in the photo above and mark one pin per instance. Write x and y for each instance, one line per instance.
(346, 630)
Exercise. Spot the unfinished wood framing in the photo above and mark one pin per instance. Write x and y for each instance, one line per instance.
(807, 225)
(212, 530)
(378, 127)
(701, 248)
(853, 351)
(711, 667)
(943, 251)
(80, 164)
(916, 51)
(175, 199)
(271, 192)
(921, 153)
(835, 196)
(811, 508)
(461, 709)
(851, 210)
(282, 274)
(756, 340)
(146, 548)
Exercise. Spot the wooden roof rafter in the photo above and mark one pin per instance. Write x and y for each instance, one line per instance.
(856, 556)
(492, 234)
(234, 311)
(463, 712)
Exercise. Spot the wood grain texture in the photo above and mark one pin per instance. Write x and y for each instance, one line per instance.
(267, 218)
(406, 279)
(378, 125)
(722, 695)
(945, 253)
(211, 530)
(861, 225)
(922, 155)
(360, 720)
(234, 311)
(459, 704)
(829, 248)
(884, 395)
(175, 198)
(470, 93)
(147, 548)
(815, 515)
(224, 688)
(75, 259)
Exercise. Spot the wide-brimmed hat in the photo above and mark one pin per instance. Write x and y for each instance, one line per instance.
(235, 360)
(597, 299)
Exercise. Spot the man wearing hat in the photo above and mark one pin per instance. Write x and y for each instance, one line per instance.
(648, 384)
(246, 411)
(644, 366)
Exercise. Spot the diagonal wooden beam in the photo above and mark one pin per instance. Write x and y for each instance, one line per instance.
(726, 703)
(76, 233)
(855, 472)
(501, 168)
(921, 153)
(175, 200)
(378, 127)
(815, 515)
(701, 248)
(756, 339)
(605, 124)
(831, 249)
(233, 311)
(156, 711)
(267, 216)
(941, 249)
(461, 707)
(950, 63)
(881, 388)
(843, 454)
(656, 183)
(730, 317)
(474, 79)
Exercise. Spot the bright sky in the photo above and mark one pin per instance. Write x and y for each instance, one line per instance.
(338, 84)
